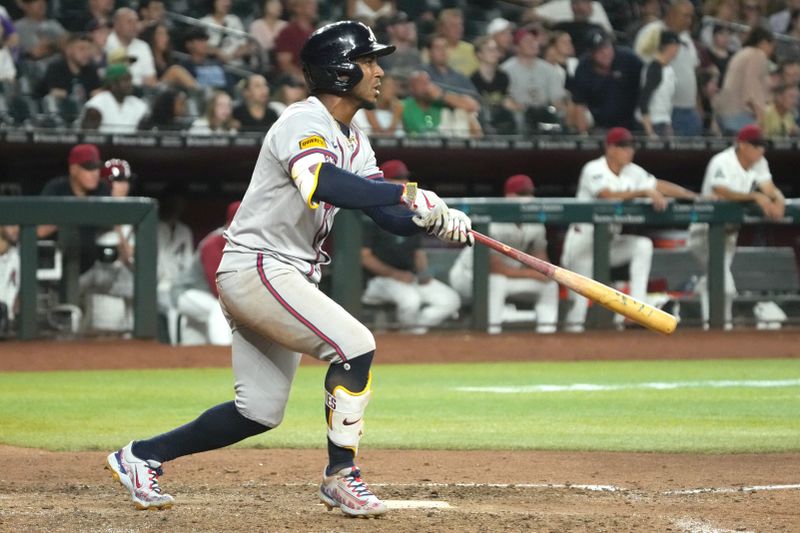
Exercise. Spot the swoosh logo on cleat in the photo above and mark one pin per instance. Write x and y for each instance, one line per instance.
(138, 485)
(430, 205)
(346, 422)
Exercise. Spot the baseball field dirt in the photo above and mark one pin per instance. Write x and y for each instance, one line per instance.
(275, 490)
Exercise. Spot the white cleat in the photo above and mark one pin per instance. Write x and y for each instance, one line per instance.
(140, 477)
(346, 490)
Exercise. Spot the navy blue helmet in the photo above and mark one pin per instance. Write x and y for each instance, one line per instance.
(329, 54)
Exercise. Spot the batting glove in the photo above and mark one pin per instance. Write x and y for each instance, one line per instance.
(457, 228)
(430, 211)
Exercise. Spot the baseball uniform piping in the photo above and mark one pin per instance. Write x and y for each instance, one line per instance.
(291, 310)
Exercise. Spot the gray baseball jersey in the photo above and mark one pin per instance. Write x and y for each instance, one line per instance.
(277, 217)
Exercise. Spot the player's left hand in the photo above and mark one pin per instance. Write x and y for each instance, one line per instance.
(457, 228)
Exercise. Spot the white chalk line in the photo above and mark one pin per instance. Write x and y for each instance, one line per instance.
(695, 525)
(665, 385)
(728, 490)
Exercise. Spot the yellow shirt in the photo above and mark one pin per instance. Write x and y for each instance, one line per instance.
(776, 125)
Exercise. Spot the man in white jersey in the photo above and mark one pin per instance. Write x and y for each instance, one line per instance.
(312, 163)
(739, 173)
(508, 277)
(614, 176)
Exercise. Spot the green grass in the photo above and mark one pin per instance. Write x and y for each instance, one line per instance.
(417, 406)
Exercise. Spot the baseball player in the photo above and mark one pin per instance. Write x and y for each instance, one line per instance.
(508, 277)
(312, 163)
(739, 173)
(614, 176)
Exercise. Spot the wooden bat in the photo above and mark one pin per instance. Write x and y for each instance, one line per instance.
(640, 312)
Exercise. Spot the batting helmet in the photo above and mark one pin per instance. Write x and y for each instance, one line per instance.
(116, 170)
(329, 54)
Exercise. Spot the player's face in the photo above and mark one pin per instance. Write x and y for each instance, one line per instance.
(751, 154)
(369, 88)
(86, 179)
(621, 155)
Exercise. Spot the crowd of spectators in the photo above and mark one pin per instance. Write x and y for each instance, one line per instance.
(462, 68)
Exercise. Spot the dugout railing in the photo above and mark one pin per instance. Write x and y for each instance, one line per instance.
(67, 213)
(347, 277)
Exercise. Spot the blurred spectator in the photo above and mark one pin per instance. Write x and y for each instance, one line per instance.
(288, 91)
(168, 112)
(508, 277)
(74, 74)
(9, 277)
(718, 53)
(194, 294)
(115, 110)
(721, 13)
(98, 13)
(708, 88)
(555, 11)
(175, 242)
(399, 275)
(658, 88)
(535, 84)
(794, 26)
(8, 42)
(168, 71)
(580, 27)
(739, 173)
(614, 176)
(291, 38)
(560, 53)
(208, 72)
(502, 32)
(780, 20)
(83, 180)
(406, 58)
(226, 47)
(254, 113)
(218, 118)
(125, 36)
(606, 84)
(461, 54)
(266, 29)
(368, 11)
(779, 115)
(386, 120)
(789, 71)
(745, 91)
(443, 75)
(153, 12)
(39, 36)
(98, 33)
(647, 11)
(679, 18)
(425, 109)
(497, 107)
(753, 14)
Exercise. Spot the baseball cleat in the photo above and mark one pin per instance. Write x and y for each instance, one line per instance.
(346, 490)
(140, 477)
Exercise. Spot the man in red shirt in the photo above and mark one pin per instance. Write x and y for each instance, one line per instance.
(292, 37)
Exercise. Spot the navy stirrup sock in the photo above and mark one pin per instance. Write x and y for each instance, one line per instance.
(220, 426)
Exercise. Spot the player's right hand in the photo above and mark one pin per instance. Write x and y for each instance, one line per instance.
(430, 211)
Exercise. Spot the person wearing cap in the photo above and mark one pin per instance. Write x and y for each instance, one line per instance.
(73, 75)
(115, 110)
(534, 84)
(194, 294)
(658, 88)
(398, 267)
(739, 173)
(82, 180)
(402, 34)
(501, 31)
(679, 18)
(614, 176)
(206, 70)
(605, 88)
(509, 278)
(125, 36)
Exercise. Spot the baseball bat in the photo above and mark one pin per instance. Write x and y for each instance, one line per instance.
(640, 312)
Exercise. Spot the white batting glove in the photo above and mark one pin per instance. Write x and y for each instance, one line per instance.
(430, 211)
(457, 228)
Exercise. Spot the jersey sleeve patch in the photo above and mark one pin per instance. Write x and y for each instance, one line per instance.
(315, 141)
